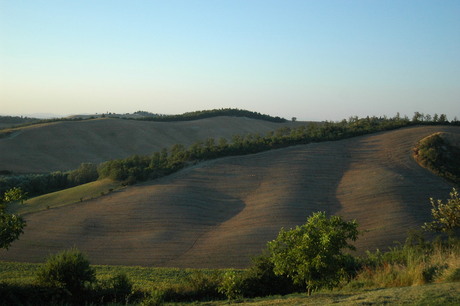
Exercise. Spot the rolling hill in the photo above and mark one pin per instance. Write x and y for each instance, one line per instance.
(219, 213)
(65, 145)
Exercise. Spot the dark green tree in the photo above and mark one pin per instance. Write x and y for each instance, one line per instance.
(69, 269)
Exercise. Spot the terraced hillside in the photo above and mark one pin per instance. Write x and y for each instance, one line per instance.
(64, 145)
(219, 213)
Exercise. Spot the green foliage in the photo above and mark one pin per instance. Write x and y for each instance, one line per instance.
(68, 269)
(211, 113)
(232, 286)
(409, 264)
(435, 153)
(446, 215)
(258, 280)
(138, 168)
(203, 286)
(311, 254)
(38, 184)
(87, 172)
(196, 286)
(14, 194)
(454, 276)
(117, 288)
(11, 226)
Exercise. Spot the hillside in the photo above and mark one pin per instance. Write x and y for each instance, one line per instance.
(219, 213)
(64, 145)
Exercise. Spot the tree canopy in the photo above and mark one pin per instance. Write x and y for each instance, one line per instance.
(11, 226)
(311, 254)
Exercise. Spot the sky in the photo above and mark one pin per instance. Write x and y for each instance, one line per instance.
(314, 60)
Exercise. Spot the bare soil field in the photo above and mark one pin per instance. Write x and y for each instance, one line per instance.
(219, 213)
(65, 145)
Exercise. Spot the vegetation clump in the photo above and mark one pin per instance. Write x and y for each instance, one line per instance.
(446, 215)
(438, 155)
(234, 112)
(69, 269)
(311, 254)
(11, 226)
(139, 168)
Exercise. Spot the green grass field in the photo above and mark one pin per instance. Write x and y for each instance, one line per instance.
(65, 197)
(432, 294)
(145, 279)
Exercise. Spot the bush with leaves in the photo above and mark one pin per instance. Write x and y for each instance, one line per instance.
(11, 226)
(311, 254)
(118, 288)
(446, 215)
(69, 269)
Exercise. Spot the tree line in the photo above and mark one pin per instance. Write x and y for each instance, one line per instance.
(139, 168)
(166, 161)
(37, 184)
(233, 112)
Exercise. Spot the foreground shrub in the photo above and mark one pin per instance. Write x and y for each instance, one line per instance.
(258, 280)
(198, 286)
(446, 216)
(69, 270)
(312, 254)
(118, 288)
(410, 264)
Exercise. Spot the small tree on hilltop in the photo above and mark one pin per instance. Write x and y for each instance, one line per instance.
(311, 254)
(446, 215)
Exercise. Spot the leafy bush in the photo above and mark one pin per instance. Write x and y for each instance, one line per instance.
(201, 286)
(69, 269)
(438, 155)
(197, 286)
(311, 254)
(446, 215)
(11, 226)
(233, 285)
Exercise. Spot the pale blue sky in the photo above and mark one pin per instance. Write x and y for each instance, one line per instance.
(316, 60)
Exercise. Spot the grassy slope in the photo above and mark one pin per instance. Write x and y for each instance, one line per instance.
(219, 213)
(65, 197)
(433, 294)
(143, 278)
(64, 145)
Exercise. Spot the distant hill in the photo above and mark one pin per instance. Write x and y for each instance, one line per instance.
(196, 115)
(63, 145)
(12, 121)
(219, 213)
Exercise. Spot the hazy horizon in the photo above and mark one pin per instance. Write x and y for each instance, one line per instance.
(314, 60)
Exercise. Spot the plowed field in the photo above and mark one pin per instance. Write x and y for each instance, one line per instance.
(65, 145)
(219, 213)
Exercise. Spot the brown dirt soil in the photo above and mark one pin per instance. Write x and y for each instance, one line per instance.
(219, 213)
(65, 145)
